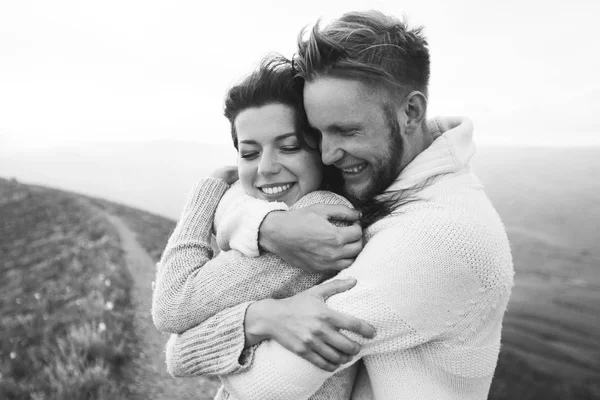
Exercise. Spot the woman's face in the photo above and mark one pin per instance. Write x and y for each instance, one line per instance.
(271, 164)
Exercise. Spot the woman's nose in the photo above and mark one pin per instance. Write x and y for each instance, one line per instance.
(268, 165)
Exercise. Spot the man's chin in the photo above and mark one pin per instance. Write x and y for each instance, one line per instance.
(358, 194)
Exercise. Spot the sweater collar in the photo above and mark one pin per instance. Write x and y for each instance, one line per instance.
(449, 153)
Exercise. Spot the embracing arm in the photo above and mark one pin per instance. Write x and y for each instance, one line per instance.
(191, 286)
(303, 235)
(216, 348)
(187, 251)
(221, 338)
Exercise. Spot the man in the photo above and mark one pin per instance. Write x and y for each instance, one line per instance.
(435, 274)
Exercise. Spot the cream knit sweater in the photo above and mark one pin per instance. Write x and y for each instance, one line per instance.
(434, 279)
(193, 287)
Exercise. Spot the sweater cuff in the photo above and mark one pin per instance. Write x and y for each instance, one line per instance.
(197, 216)
(238, 219)
(212, 350)
(245, 238)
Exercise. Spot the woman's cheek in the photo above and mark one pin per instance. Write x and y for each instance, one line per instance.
(247, 177)
(312, 170)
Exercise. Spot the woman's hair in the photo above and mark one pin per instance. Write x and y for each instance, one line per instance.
(274, 82)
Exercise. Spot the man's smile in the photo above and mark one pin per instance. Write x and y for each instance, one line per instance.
(354, 169)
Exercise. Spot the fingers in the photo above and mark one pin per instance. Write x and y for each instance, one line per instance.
(318, 361)
(328, 289)
(339, 212)
(344, 346)
(352, 250)
(344, 321)
(342, 264)
(329, 354)
(350, 234)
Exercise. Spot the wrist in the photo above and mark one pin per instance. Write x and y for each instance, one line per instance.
(267, 231)
(258, 322)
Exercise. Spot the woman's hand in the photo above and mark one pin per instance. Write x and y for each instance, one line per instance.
(304, 325)
(229, 174)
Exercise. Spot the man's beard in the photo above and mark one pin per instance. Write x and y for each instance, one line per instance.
(387, 169)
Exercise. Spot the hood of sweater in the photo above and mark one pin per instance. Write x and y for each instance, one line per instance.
(449, 153)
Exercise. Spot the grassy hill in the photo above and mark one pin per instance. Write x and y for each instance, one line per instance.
(65, 309)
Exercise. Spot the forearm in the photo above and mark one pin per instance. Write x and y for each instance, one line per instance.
(194, 287)
(216, 348)
(187, 251)
(279, 374)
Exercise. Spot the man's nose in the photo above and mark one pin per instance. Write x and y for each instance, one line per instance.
(268, 164)
(330, 150)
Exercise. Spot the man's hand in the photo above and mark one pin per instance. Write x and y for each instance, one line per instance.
(229, 174)
(307, 240)
(304, 325)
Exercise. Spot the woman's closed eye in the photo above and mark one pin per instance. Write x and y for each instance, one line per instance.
(290, 149)
(251, 155)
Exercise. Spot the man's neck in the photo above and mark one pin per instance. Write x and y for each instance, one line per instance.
(420, 140)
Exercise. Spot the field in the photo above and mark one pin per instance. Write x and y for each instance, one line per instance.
(65, 307)
(75, 309)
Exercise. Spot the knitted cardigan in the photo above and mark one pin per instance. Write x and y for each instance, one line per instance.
(192, 286)
(434, 279)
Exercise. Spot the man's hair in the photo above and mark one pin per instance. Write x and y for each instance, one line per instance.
(367, 46)
(384, 54)
(272, 82)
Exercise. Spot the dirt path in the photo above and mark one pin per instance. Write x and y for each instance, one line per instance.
(152, 381)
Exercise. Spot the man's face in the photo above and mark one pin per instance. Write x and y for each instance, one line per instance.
(358, 137)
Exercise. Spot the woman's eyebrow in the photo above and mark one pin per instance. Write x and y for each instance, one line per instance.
(285, 136)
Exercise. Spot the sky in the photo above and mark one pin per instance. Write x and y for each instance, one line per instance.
(75, 71)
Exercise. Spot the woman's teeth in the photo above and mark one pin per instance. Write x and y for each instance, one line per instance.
(356, 169)
(276, 189)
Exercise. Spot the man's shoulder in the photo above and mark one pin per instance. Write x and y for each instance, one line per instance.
(439, 223)
(414, 219)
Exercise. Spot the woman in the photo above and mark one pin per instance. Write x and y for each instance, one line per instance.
(277, 165)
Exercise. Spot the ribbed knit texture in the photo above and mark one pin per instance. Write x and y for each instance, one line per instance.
(434, 279)
(204, 299)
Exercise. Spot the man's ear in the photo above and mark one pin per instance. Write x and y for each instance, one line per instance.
(415, 110)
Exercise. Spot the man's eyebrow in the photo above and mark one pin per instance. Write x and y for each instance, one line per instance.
(277, 138)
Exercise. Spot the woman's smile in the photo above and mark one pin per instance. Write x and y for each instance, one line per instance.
(276, 189)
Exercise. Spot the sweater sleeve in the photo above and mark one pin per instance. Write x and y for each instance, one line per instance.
(188, 250)
(191, 287)
(238, 218)
(216, 348)
(415, 284)
(213, 348)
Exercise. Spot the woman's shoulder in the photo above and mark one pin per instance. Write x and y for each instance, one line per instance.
(321, 197)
